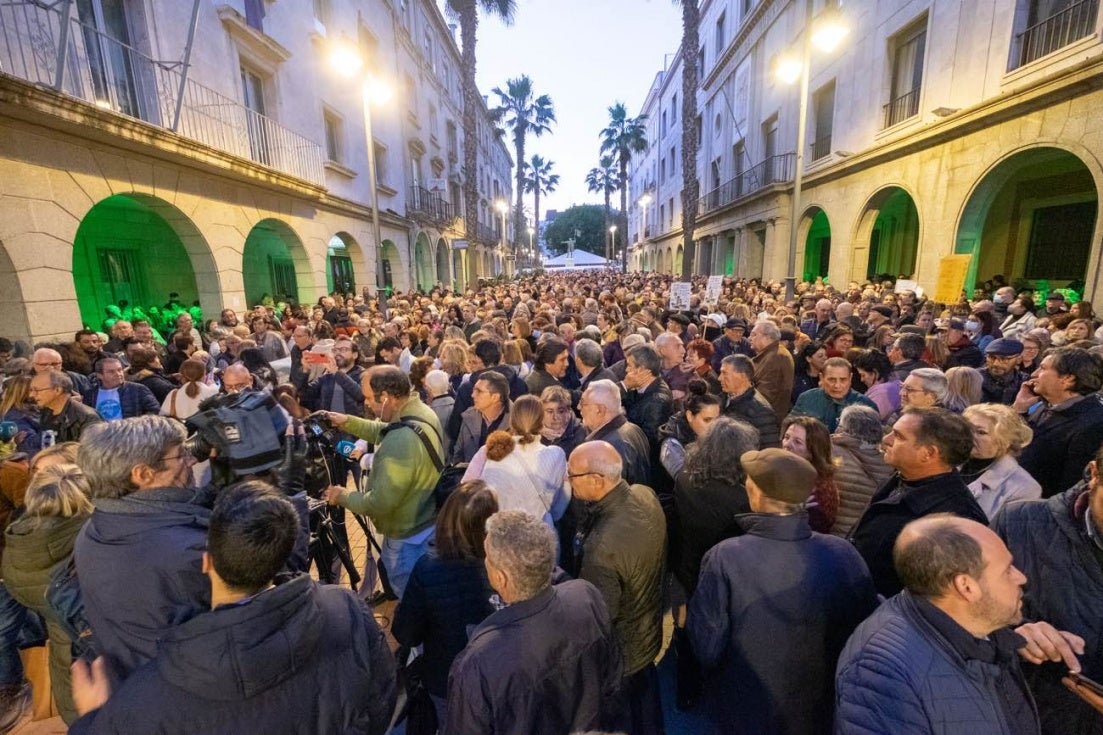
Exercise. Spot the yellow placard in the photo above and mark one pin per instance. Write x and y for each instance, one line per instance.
(952, 270)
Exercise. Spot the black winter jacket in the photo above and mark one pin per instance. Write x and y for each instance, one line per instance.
(649, 409)
(296, 658)
(631, 444)
(1063, 444)
(1064, 587)
(752, 407)
(548, 665)
(706, 516)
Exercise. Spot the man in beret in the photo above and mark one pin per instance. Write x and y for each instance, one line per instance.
(878, 315)
(752, 596)
(676, 324)
(1055, 304)
(734, 342)
(1001, 375)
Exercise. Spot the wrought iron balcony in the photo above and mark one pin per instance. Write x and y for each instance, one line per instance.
(901, 108)
(40, 45)
(774, 170)
(1058, 30)
(821, 148)
(422, 204)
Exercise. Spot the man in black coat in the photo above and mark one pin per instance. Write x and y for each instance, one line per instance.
(734, 342)
(741, 400)
(925, 446)
(545, 664)
(58, 410)
(600, 408)
(296, 657)
(1066, 415)
(648, 402)
(769, 639)
(1000, 376)
(486, 355)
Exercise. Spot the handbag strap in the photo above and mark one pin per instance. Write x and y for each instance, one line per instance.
(172, 403)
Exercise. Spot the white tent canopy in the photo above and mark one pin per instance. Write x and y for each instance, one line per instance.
(581, 259)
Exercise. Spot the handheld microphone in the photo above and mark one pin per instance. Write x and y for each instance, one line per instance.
(345, 448)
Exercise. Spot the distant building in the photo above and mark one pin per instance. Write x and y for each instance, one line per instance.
(963, 128)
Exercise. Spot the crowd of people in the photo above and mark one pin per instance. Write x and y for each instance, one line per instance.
(861, 510)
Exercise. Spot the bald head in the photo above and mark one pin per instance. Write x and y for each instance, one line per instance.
(46, 360)
(236, 378)
(596, 468)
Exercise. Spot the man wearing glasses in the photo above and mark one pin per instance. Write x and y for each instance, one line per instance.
(46, 360)
(1000, 373)
(52, 392)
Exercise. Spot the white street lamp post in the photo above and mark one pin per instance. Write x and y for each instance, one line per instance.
(643, 202)
(503, 209)
(612, 239)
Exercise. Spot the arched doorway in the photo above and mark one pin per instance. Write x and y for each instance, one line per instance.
(893, 234)
(444, 275)
(668, 261)
(423, 262)
(461, 274)
(274, 265)
(391, 264)
(678, 265)
(1032, 218)
(13, 309)
(817, 245)
(339, 270)
(138, 249)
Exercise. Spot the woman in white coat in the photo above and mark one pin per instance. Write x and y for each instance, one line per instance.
(524, 474)
(992, 473)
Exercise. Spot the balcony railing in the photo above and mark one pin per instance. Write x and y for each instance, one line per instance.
(41, 46)
(429, 205)
(901, 108)
(1056, 31)
(774, 170)
(821, 148)
(485, 234)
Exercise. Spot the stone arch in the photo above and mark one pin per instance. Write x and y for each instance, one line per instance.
(274, 262)
(460, 269)
(139, 248)
(888, 229)
(1033, 217)
(678, 266)
(13, 309)
(391, 265)
(444, 272)
(343, 262)
(814, 238)
(423, 262)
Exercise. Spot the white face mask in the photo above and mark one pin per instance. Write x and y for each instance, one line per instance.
(972, 326)
(998, 299)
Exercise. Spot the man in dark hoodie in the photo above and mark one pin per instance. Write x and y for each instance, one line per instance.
(294, 657)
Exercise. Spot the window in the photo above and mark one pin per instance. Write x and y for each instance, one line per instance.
(823, 102)
(662, 216)
(369, 47)
(254, 14)
(1043, 26)
(674, 109)
(662, 127)
(747, 5)
(908, 50)
(120, 276)
(411, 94)
(452, 141)
(321, 11)
(662, 170)
(333, 130)
(739, 164)
(673, 160)
(769, 149)
(1060, 241)
(670, 208)
(252, 96)
(433, 121)
(381, 166)
(721, 39)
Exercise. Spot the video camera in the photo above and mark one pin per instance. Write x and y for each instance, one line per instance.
(243, 430)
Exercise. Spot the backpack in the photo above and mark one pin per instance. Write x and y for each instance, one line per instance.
(451, 476)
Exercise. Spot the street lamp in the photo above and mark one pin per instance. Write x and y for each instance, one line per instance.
(532, 250)
(346, 60)
(612, 239)
(827, 36)
(503, 209)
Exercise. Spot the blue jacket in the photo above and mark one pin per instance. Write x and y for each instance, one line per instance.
(1064, 587)
(136, 399)
(296, 658)
(771, 613)
(545, 666)
(899, 675)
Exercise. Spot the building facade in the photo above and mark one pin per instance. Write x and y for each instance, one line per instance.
(125, 178)
(935, 129)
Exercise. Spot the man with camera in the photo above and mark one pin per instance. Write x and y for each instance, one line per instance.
(292, 657)
(405, 469)
(139, 557)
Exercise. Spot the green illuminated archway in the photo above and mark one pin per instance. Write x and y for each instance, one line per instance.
(423, 262)
(817, 247)
(275, 266)
(894, 240)
(391, 263)
(444, 275)
(139, 249)
(339, 263)
(1029, 219)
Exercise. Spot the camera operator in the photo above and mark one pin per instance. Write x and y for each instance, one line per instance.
(288, 658)
(400, 487)
(138, 558)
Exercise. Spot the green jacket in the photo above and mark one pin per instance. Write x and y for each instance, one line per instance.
(400, 496)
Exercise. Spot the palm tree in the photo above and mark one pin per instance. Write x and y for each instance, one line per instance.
(522, 112)
(539, 180)
(622, 137)
(691, 16)
(604, 179)
(467, 11)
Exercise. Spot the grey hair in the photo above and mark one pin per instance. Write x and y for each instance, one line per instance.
(646, 357)
(60, 379)
(934, 381)
(524, 547)
(606, 393)
(768, 329)
(588, 352)
(109, 451)
(861, 422)
(632, 340)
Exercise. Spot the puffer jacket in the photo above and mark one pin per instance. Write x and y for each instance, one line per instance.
(752, 407)
(33, 548)
(1064, 572)
(623, 545)
(860, 472)
(899, 675)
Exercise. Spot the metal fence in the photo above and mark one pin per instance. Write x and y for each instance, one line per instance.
(1060, 29)
(901, 108)
(42, 45)
(429, 205)
(821, 148)
(774, 170)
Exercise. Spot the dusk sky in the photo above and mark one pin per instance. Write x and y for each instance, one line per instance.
(586, 54)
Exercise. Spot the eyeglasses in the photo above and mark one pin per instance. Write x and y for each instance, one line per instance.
(173, 458)
(573, 475)
(39, 390)
(47, 364)
(908, 391)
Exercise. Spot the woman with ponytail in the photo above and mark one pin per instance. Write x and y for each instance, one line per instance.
(184, 401)
(525, 474)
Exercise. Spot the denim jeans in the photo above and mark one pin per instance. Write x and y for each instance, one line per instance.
(400, 555)
(19, 628)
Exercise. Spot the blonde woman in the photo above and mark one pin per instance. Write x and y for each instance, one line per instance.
(453, 360)
(56, 507)
(992, 473)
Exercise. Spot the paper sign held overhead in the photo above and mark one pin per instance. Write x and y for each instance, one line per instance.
(952, 270)
(712, 291)
(679, 296)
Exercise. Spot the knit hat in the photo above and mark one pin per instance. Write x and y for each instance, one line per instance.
(780, 475)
